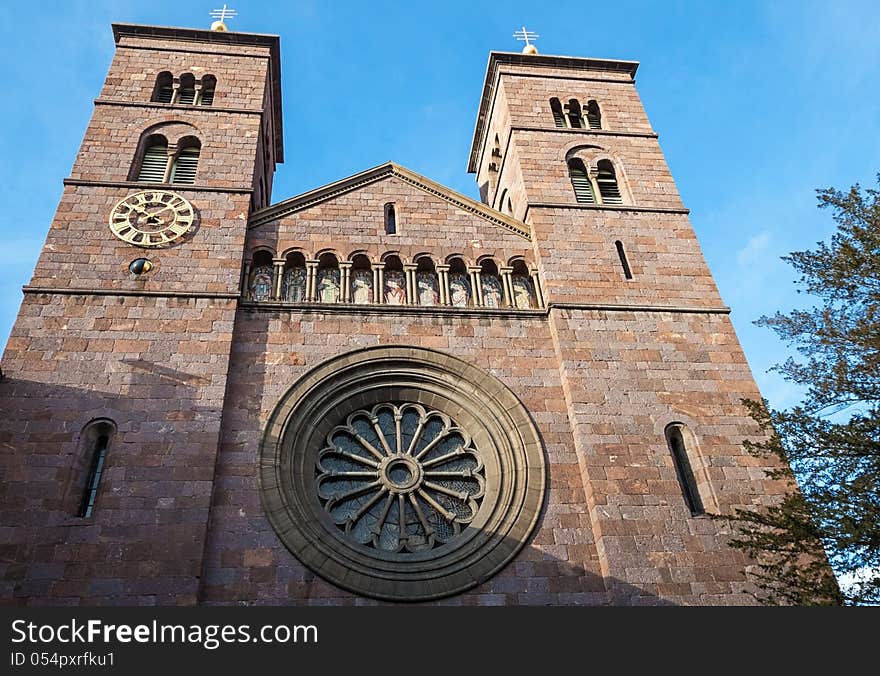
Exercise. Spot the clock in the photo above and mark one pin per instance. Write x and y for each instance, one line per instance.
(151, 218)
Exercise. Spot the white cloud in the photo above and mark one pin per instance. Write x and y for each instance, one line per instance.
(755, 251)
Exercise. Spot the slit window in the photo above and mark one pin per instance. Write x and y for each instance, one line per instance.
(575, 121)
(390, 220)
(683, 469)
(624, 263)
(580, 181)
(93, 479)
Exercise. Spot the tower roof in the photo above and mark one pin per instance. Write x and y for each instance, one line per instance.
(538, 61)
(273, 42)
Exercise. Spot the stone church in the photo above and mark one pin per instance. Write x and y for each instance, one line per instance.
(379, 390)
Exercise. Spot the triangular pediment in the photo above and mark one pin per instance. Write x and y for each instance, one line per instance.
(383, 171)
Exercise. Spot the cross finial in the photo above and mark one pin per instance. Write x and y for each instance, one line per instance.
(527, 36)
(221, 15)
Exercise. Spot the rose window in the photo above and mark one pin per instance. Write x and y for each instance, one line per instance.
(400, 478)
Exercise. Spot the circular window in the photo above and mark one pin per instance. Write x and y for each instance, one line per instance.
(401, 473)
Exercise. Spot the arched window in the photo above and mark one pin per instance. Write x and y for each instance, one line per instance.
(575, 120)
(328, 279)
(624, 263)
(183, 169)
(558, 115)
(95, 441)
(260, 282)
(427, 286)
(390, 219)
(607, 181)
(523, 289)
(186, 95)
(493, 294)
(155, 160)
(675, 439)
(394, 290)
(293, 283)
(163, 92)
(580, 181)
(361, 280)
(206, 95)
(459, 284)
(594, 116)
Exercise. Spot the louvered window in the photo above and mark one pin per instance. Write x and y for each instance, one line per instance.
(580, 181)
(154, 163)
(594, 117)
(207, 98)
(575, 121)
(164, 94)
(607, 181)
(186, 96)
(558, 117)
(184, 169)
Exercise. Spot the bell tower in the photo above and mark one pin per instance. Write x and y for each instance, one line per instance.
(115, 371)
(652, 371)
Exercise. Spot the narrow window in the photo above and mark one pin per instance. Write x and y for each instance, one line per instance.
(502, 200)
(558, 116)
(493, 293)
(394, 289)
(164, 89)
(293, 284)
(575, 121)
(607, 180)
(183, 170)
(261, 280)
(206, 96)
(683, 469)
(390, 220)
(155, 160)
(509, 207)
(623, 262)
(594, 116)
(460, 293)
(523, 288)
(328, 279)
(580, 181)
(187, 93)
(361, 280)
(96, 469)
(427, 285)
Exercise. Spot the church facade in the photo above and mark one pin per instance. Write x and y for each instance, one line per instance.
(379, 390)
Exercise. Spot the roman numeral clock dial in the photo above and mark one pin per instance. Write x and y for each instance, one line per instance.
(151, 218)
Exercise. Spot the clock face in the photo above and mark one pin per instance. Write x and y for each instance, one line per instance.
(151, 218)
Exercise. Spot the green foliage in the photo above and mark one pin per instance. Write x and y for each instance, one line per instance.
(832, 440)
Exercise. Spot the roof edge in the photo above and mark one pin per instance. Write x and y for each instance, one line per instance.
(497, 59)
(273, 42)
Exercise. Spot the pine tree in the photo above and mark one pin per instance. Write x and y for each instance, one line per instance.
(831, 440)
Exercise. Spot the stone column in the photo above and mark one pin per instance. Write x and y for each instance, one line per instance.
(197, 98)
(345, 281)
(539, 292)
(277, 274)
(409, 272)
(175, 90)
(507, 285)
(443, 281)
(311, 270)
(172, 153)
(378, 282)
(246, 280)
(476, 286)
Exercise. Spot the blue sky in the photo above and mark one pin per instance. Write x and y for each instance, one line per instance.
(756, 103)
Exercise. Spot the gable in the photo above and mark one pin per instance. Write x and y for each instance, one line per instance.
(423, 204)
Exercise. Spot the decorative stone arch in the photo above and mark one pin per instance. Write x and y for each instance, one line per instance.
(459, 256)
(292, 250)
(499, 444)
(177, 134)
(591, 155)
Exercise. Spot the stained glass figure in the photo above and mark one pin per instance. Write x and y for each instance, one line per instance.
(492, 292)
(428, 288)
(328, 285)
(395, 288)
(261, 283)
(523, 293)
(293, 285)
(459, 289)
(362, 286)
